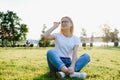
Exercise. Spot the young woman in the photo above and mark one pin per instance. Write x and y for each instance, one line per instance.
(64, 56)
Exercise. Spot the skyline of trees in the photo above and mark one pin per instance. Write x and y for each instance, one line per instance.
(12, 30)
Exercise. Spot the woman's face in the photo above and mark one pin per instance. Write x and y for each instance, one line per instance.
(65, 23)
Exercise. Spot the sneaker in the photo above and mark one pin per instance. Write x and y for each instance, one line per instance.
(81, 75)
(60, 74)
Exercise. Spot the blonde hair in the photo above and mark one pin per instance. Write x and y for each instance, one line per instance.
(72, 27)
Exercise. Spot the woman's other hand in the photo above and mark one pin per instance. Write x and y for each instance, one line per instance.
(71, 70)
(56, 24)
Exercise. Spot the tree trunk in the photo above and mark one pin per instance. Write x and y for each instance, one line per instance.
(116, 44)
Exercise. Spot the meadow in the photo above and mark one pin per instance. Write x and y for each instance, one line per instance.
(31, 64)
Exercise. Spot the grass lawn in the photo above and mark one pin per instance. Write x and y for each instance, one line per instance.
(31, 64)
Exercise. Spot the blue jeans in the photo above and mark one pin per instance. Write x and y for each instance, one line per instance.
(55, 63)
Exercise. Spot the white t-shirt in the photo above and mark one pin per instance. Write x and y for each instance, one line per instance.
(64, 45)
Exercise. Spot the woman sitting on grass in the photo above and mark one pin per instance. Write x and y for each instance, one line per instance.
(63, 58)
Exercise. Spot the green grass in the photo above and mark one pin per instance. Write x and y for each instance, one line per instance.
(31, 64)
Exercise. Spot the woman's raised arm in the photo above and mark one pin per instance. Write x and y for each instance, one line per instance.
(47, 34)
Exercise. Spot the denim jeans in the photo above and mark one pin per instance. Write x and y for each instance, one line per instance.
(55, 63)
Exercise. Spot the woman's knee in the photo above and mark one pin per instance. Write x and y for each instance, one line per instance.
(86, 56)
(50, 53)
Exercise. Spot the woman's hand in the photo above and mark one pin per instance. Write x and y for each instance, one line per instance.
(56, 24)
(65, 70)
(71, 70)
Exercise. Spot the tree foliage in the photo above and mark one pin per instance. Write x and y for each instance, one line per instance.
(12, 29)
(110, 36)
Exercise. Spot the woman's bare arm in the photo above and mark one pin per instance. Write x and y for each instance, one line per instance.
(47, 34)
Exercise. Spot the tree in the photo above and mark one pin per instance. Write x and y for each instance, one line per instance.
(116, 32)
(83, 37)
(106, 31)
(91, 40)
(1, 27)
(114, 37)
(13, 23)
(23, 31)
(12, 30)
(110, 35)
(43, 42)
(4, 28)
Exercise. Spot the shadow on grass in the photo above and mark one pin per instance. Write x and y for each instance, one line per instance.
(47, 76)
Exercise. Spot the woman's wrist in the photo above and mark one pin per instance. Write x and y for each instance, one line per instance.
(65, 70)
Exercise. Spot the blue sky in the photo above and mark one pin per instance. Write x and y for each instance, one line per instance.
(88, 14)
